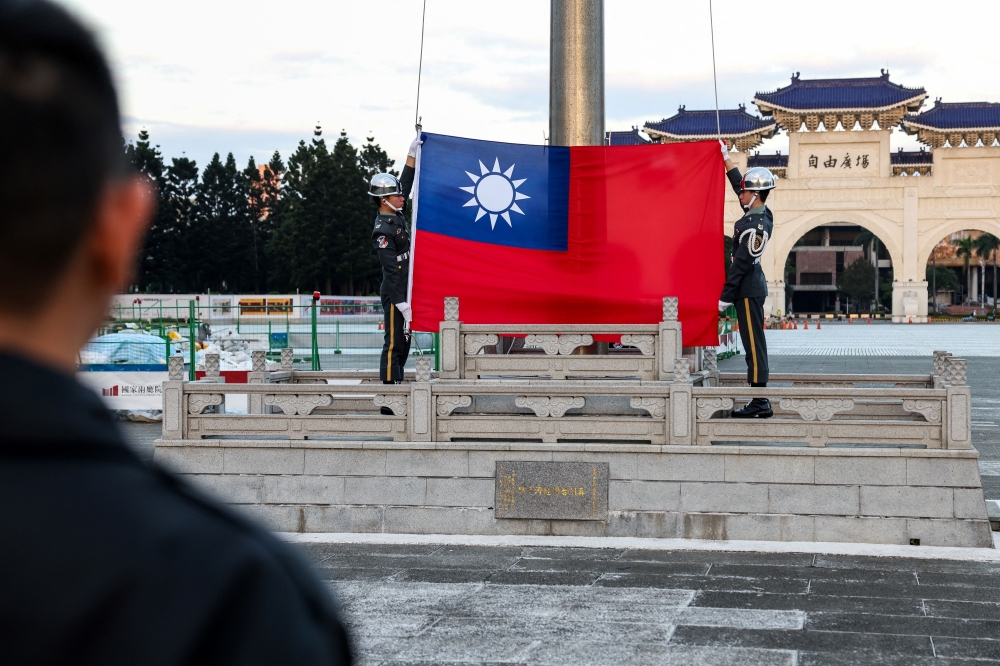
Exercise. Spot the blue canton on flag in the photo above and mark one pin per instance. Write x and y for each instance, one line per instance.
(491, 192)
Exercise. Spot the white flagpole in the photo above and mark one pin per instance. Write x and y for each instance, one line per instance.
(416, 166)
(715, 80)
(413, 225)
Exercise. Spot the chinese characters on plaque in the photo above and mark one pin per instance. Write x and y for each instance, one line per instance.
(846, 161)
(551, 490)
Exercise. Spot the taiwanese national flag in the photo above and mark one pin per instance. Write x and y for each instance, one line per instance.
(578, 235)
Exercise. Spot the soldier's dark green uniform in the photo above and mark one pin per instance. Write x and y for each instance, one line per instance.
(391, 240)
(746, 287)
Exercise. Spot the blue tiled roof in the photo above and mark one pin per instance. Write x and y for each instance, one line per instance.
(835, 94)
(778, 161)
(734, 122)
(957, 116)
(629, 138)
(911, 157)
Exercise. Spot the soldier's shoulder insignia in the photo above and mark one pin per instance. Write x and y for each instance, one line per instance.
(383, 242)
(760, 226)
(378, 226)
(399, 231)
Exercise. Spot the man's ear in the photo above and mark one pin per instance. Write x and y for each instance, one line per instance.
(122, 217)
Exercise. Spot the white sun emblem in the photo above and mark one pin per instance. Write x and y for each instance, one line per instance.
(495, 193)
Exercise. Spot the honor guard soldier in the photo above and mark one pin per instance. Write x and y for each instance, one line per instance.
(746, 287)
(391, 240)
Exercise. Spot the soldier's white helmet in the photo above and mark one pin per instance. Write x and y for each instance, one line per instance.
(384, 185)
(758, 179)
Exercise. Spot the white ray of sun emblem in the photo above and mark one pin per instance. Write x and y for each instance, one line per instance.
(495, 193)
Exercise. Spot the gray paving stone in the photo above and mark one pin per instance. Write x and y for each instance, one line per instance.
(962, 609)
(867, 659)
(718, 557)
(814, 573)
(775, 585)
(544, 577)
(820, 641)
(972, 648)
(612, 566)
(945, 592)
(906, 564)
(809, 602)
(902, 625)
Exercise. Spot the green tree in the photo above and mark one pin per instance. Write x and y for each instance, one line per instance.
(223, 251)
(352, 220)
(987, 246)
(944, 277)
(965, 247)
(181, 204)
(858, 281)
(147, 159)
(266, 204)
(301, 247)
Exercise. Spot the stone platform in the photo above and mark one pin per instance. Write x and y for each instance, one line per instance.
(887, 495)
(859, 458)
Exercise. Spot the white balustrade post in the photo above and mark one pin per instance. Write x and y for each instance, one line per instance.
(670, 343)
(257, 375)
(681, 412)
(174, 414)
(451, 343)
(421, 408)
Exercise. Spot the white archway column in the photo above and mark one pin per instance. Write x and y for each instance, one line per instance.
(909, 288)
(775, 299)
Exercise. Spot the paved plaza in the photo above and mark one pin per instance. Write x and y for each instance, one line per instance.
(433, 604)
(466, 604)
(885, 339)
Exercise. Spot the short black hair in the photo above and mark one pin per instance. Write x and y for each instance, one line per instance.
(60, 144)
(763, 195)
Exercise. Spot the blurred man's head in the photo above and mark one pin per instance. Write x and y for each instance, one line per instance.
(71, 213)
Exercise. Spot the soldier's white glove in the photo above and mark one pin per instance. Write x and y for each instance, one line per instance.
(724, 148)
(404, 309)
(412, 152)
(723, 306)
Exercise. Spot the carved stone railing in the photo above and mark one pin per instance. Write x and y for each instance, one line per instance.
(551, 350)
(838, 416)
(833, 380)
(527, 397)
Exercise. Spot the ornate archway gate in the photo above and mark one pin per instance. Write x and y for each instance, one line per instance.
(909, 214)
(840, 169)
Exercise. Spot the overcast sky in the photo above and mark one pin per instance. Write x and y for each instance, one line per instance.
(255, 76)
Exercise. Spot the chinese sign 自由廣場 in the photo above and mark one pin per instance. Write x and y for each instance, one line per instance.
(838, 160)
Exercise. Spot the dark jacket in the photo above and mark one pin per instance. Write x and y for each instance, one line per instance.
(391, 240)
(107, 560)
(750, 236)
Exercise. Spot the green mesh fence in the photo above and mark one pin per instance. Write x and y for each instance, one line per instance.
(341, 335)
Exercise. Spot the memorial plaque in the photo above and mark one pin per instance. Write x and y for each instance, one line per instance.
(551, 490)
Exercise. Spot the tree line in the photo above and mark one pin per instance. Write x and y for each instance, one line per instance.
(301, 225)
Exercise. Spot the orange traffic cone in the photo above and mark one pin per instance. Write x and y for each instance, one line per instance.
(806, 327)
(818, 325)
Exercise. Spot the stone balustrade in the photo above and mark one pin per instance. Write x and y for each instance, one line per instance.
(692, 409)
(468, 351)
(870, 458)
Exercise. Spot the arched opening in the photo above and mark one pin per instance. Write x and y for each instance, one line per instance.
(839, 267)
(962, 273)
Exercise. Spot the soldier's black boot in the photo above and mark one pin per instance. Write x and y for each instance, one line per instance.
(758, 408)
